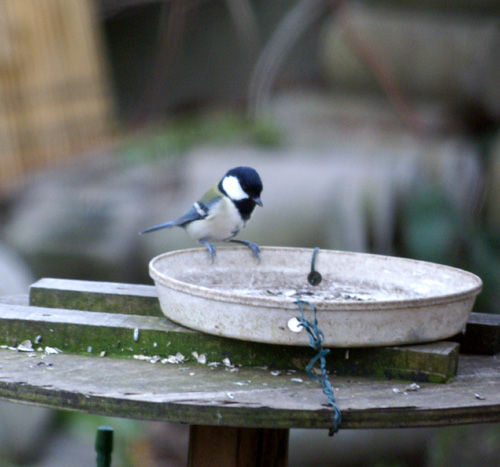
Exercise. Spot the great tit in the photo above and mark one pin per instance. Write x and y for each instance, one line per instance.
(222, 211)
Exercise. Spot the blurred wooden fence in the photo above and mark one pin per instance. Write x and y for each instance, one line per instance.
(54, 97)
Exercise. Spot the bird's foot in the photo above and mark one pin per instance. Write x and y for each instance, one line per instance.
(211, 249)
(253, 246)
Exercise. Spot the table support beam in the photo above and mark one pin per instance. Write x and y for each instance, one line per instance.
(237, 447)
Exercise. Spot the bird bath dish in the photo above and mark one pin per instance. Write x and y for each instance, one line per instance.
(363, 300)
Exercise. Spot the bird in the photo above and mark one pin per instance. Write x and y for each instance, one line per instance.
(223, 211)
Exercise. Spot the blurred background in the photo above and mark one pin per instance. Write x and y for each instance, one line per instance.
(374, 126)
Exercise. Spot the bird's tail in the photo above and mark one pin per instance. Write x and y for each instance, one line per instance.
(166, 225)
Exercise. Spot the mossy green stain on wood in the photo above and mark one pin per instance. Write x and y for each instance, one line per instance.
(105, 297)
(113, 311)
(76, 331)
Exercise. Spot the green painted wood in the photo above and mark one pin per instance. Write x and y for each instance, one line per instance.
(76, 331)
(249, 397)
(104, 446)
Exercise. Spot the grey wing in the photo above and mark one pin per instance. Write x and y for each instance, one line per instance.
(196, 212)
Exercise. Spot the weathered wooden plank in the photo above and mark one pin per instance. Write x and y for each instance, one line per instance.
(249, 397)
(108, 297)
(76, 331)
(436, 362)
(430, 362)
(482, 334)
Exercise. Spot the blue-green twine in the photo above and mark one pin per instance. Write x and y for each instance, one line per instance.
(316, 338)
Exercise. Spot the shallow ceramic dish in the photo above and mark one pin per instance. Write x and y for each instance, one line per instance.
(363, 299)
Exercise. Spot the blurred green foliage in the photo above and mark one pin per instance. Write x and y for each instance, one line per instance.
(84, 427)
(433, 230)
(465, 446)
(176, 136)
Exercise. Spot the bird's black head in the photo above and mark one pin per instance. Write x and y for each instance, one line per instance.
(244, 186)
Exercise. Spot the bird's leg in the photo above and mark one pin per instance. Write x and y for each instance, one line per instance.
(254, 247)
(210, 247)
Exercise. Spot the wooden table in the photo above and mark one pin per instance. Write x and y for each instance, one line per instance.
(236, 413)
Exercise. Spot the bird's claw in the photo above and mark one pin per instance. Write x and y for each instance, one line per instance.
(253, 246)
(211, 249)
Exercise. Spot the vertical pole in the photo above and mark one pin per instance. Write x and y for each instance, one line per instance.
(237, 447)
(104, 445)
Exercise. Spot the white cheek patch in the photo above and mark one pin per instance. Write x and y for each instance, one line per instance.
(233, 188)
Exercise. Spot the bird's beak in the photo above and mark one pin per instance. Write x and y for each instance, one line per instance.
(258, 201)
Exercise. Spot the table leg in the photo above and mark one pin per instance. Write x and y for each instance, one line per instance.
(237, 447)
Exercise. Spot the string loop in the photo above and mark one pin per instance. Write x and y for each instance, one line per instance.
(316, 339)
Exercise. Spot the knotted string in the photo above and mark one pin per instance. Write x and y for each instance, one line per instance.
(316, 338)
